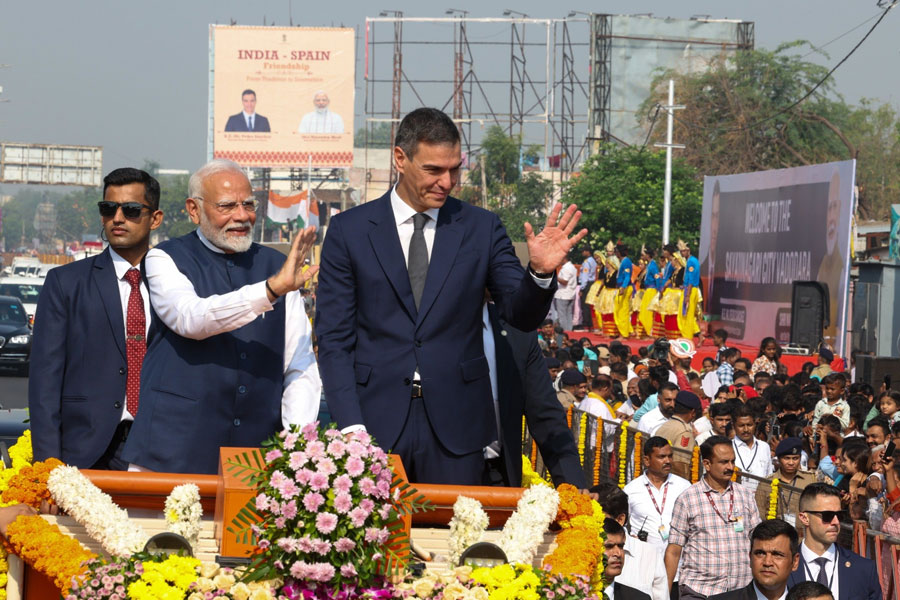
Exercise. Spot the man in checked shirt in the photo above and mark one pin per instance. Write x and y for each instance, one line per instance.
(711, 525)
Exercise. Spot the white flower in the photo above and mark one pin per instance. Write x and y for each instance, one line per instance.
(524, 530)
(466, 527)
(90, 507)
(183, 512)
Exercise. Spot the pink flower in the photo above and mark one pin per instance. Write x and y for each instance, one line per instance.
(363, 437)
(299, 570)
(262, 502)
(297, 460)
(371, 534)
(367, 505)
(343, 483)
(344, 545)
(277, 480)
(358, 516)
(337, 448)
(385, 511)
(289, 509)
(322, 572)
(263, 544)
(315, 449)
(326, 466)
(332, 433)
(312, 501)
(355, 466)
(384, 489)
(342, 503)
(356, 449)
(289, 489)
(290, 440)
(303, 476)
(322, 547)
(280, 522)
(273, 455)
(288, 544)
(275, 507)
(318, 481)
(379, 455)
(367, 486)
(326, 522)
(310, 431)
(348, 570)
(376, 468)
(305, 544)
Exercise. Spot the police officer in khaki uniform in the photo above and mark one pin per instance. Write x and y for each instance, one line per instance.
(680, 432)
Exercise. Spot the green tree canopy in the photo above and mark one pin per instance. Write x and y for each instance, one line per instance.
(620, 194)
(379, 136)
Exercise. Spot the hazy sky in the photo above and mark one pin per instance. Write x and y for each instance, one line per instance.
(132, 76)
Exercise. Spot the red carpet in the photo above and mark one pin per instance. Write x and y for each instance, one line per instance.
(793, 363)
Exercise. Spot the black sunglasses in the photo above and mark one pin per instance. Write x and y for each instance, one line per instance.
(828, 516)
(131, 210)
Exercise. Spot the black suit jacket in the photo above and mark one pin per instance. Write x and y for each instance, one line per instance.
(623, 592)
(744, 593)
(524, 387)
(857, 576)
(237, 123)
(78, 362)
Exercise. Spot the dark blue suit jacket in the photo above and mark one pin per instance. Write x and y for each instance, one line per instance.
(857, 576)
(78, 364)
(371, 337)
(237, 123)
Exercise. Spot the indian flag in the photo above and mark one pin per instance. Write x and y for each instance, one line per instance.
(291, 209)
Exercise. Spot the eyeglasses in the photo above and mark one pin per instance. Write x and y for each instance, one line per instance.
(131, 210)
(226, 208)
(828, 516)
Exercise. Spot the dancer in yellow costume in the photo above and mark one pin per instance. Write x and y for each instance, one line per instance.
(646, 299)
(592, 298)
(670, 302)
(689, 312)
(605, 305)
(624, 291)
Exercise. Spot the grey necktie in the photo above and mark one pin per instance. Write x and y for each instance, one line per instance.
(822, 577)
(418, 257)
(250, 123)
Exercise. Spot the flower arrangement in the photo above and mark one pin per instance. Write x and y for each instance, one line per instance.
(183, 512)
(96, 511)
(106, 579)
(323, 512)
(29, 485)
(773, 499)
(529, 477)
(598, 446)
(582, 435)
(47, 549)
(171, 578)
(637, 454)
(524, 529)
(735, 474)
(695, 464)
(4, 572)
(466, 527)
(623, 453)
(217, 582)
(579, 546)
(21, 456)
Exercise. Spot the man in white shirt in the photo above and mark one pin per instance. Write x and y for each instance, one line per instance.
(651, 497)
(719, 422)
(564, 299)
(229, 367)
(750, 455)
(321, 120)
(664, 410)
(845, 573)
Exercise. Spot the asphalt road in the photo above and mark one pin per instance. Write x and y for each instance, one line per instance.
(13, 389)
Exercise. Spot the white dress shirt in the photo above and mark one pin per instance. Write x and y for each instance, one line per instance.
(178, 306)
(321, 122)
(756, 461)
(490, 353)
(651, 421)
(761, 596)
(832, 572)
(643, 514)
(121, 267)
(644, 569)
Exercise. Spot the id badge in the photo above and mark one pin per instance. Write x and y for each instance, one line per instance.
(663, 532)
(790, 519)
(739, 524)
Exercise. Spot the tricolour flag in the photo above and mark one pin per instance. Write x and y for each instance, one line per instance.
(286, 209)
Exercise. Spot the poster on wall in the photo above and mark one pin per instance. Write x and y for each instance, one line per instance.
(761, 232)
(282, 96)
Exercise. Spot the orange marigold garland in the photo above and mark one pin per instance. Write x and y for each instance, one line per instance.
(637, 454)
(597, 453)
(569, 417)
(29, 485)
(695, 465)
(51, 552)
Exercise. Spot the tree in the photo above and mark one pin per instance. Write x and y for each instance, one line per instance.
(744, 114)
(620, 193)
(379, 136)
(529, 204)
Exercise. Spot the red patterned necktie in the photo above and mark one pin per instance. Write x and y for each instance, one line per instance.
(135, 342)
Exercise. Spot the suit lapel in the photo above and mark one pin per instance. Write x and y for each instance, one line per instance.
(386, 246)
(104, 276)
(844, 573)
(447, 238)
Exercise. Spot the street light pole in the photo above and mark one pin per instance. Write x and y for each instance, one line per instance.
(667, 193)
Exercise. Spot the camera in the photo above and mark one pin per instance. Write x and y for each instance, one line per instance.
(659, 350)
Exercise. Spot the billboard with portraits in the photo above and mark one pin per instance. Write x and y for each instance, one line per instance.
(763, 231)
(282, 96)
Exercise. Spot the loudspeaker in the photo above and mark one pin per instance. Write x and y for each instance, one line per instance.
(872, 369)
(809, 313)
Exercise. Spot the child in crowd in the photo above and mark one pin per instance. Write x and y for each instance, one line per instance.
(720, 338)
(833, 403)
(890, 405)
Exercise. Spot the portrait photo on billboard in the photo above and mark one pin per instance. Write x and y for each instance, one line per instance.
(282, 96)
(761, 232)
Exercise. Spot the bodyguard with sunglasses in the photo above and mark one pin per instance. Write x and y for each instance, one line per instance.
(233, 362)
(90, 334)
(848, 575)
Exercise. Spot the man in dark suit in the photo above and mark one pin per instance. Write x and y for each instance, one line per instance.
(248, 120)
(524, 388)
(400, 299)
(847, 574)
(774, 553)
(614, 555)
(85, 364)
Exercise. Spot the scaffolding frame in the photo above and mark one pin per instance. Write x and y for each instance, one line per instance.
(469, 93)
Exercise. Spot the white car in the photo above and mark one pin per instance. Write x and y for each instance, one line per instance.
(26, 289)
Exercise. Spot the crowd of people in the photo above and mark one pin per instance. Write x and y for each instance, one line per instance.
(610, 292)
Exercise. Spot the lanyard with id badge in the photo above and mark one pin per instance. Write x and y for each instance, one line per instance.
(737, 522)
(663, 530)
